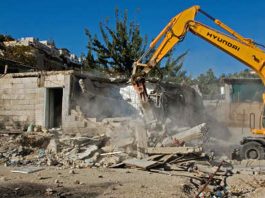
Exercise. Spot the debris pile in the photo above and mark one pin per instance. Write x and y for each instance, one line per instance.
(117, 143)
(42, 149)
(207, 177)
(53, 148)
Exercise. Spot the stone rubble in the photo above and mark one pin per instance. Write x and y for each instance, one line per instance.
(44, 147)
(54, 148)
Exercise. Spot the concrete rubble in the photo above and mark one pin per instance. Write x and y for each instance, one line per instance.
(78, 152)
(56, 148)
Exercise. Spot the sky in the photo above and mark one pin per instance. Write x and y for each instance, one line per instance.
(64, 22)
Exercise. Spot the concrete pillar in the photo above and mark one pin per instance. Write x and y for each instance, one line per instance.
(66, 98)
(228, 93)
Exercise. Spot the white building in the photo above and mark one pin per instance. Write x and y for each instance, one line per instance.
(45, 46)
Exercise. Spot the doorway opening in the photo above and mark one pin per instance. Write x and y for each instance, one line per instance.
(54, 101)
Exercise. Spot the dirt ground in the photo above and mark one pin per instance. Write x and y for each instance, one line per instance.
(90, 183)
(106, 182)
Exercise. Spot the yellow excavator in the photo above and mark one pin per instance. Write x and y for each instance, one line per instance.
(243, 49)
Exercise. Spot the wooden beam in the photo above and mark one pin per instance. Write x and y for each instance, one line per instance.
(173, 150)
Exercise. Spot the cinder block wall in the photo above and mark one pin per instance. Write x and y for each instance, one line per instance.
(18, 100)
(22, 97)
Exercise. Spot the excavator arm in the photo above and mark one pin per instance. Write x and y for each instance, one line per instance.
(173, 33)
(232, 43)
(243, 49)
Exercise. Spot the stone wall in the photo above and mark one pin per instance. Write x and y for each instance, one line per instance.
(23, 97)
(18, 99)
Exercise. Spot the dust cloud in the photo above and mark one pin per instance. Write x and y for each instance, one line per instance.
(181, 108)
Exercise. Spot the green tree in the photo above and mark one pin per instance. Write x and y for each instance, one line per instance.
(119, 48)
(208, 84)
(172, 71)
(242, 74)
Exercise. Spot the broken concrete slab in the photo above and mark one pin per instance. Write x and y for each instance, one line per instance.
(173, 150)
(27, 170)
(141, 138)
(141, 163)
(87, 152)
(193, 133)
(52, 146)
(52, 162)
(109, 161)
(83, 140)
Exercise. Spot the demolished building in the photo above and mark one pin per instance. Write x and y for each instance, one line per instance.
(85, 107)
(56, 99)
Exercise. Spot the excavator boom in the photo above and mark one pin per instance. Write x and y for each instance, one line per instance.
(232, 43)
(251, 56)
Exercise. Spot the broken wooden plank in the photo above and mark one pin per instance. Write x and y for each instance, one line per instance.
(193, 158)
(180, 173)
(175, 167)
(141, 163)
(119, 165)
(154, 157)
(160, 171)
(112, 153)
(166, 158)
(173, 150)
